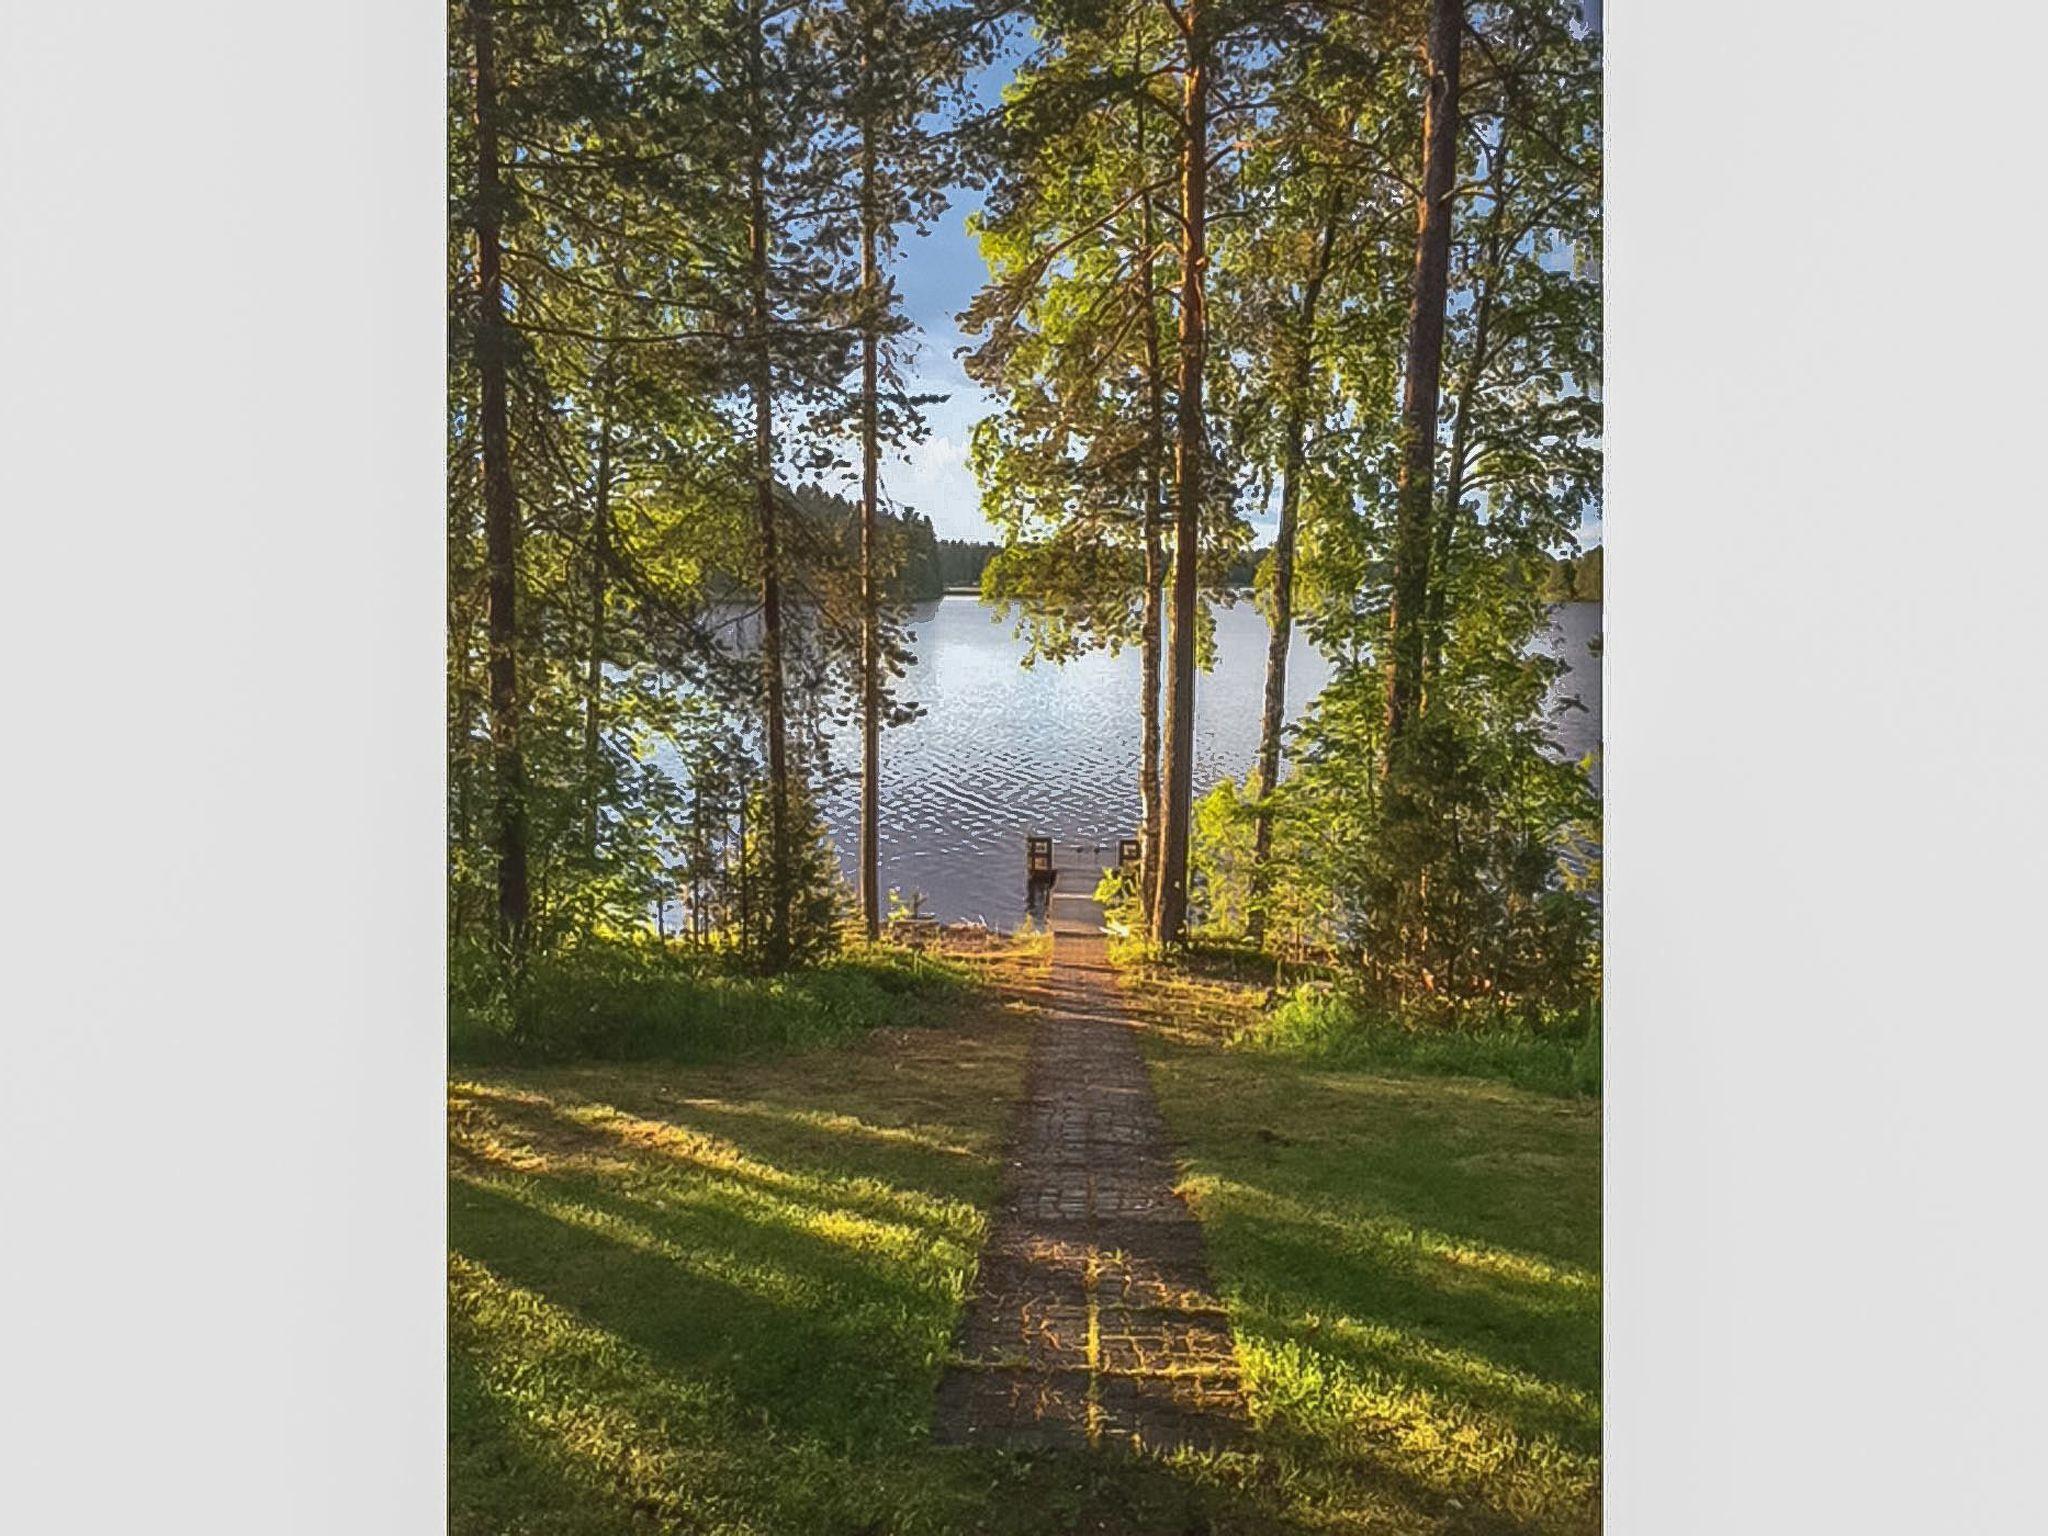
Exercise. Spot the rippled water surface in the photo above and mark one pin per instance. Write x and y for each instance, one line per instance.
(1004, 750)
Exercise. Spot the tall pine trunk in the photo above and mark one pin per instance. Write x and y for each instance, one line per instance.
(1273, 711)
(1155, 553)
(1170, 906)
(593, 676)
(501, 502)
(870, 600)
(1488, 281)
(1408, 620)
(776, 942)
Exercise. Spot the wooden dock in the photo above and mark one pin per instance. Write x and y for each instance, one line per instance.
(1067, 873)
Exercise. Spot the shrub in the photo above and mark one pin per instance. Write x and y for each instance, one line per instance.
(629, 999)
(1556, 1053)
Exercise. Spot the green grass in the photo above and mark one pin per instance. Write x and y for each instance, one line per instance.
(1412, 1268)
(1328, 1028)
(716, 1296)
(638, 1001)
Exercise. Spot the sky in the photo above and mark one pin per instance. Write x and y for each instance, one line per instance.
(938, 273)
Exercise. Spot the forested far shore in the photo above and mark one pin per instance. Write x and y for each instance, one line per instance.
(960, 562)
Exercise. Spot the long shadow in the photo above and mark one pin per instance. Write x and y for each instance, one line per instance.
(1567, 1414)
(835, 1188)
(1414, 1172)
(501, 1470)
(820, 1371)
(1429, 1216)
(803, 1392)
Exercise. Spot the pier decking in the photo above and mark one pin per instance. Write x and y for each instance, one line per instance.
(1065, 875)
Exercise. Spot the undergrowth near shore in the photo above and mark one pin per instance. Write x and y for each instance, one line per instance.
(1331, 1028)
(1318, 1023)
(640, 999)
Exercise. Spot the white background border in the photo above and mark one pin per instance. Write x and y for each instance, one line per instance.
(220, 483)
(1825, 741)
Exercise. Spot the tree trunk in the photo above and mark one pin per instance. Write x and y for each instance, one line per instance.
(1273, 713)
(1407, 625)
(1461, 424)
(501, 502)
(1155, 554)
(776, 942)
(593, 677)
(870, 612)
(1170, 908)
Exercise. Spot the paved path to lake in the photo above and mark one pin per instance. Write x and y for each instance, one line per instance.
(1092, 1321)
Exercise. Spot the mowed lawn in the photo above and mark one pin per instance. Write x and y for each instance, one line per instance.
(718, 1298)
(1412, 1269)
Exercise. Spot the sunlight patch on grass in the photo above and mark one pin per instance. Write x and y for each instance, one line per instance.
(1346, 1431)
(717, 1298)
(1476, 1378)
(1410, 1264)
(766, 1281)
(601, 1134)
(837, 1123)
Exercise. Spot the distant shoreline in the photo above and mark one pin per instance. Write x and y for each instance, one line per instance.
(975, 592)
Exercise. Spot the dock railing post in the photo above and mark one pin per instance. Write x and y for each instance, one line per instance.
(1038, 852)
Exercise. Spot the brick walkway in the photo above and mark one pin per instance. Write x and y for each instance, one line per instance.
(1091, 1321)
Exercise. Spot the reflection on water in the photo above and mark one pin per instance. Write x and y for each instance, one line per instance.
(1005, 750)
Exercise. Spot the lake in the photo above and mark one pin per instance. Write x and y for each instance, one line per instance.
(1004, 750)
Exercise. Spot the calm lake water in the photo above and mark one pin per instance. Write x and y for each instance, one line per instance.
(1004, 750)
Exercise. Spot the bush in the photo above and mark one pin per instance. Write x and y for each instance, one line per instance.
(1557, 1054)
(621, 999)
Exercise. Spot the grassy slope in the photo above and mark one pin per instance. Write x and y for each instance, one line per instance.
(717, 1297)
(1412, 1266)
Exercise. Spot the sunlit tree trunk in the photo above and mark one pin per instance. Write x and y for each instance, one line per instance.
(1155, 552)
(1407, 625)
(870, 600)
(501, 502)
(1170, 907)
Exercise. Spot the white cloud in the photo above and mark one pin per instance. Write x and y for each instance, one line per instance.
(932, 477)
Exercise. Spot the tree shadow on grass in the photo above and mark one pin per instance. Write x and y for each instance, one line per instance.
(696, 1141)
(1411, 1266)
(818, 1343)
(808, 1409)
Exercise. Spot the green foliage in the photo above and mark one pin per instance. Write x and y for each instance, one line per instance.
(1123, 904)
(817, 895)
(1220, 864)
(632, 998)
(1451, 874)
(961, 562)
(633, 139)
(1573, 579)
(1078, 336)
(1321, 1024)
